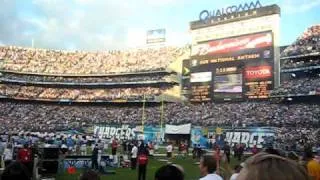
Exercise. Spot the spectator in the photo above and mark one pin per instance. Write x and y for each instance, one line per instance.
(94, 157)
(25, 157)
(114, 147)
(142, 161)
(254, 150)
(83, 147)
(134, 154)
(236, 172)
(208, 168)
(227, 151)
(269, 167)
(8, 155)
(169, 172)
(2, 148)
(313, 165)
(17, 171)
(169, 149)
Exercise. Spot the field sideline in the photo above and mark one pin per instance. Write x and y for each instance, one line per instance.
(190, 168)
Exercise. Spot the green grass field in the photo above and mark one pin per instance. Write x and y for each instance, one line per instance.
(190, 168)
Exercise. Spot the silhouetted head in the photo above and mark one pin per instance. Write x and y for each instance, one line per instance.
(16, 170)
(169, 172)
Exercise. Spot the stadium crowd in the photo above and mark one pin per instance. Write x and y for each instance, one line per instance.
(52, 117)
(77, 79)
(295, 124)
(300, 63)
(309, 82)
(307, 43)
(35, 92)
(112, 62)
(304, 86)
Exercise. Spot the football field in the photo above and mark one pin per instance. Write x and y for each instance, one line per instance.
(190, 166)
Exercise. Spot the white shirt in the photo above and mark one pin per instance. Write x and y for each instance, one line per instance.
(169, 148)
(234, 176)
(83, 147)
(7, 154)
(63, 146)
(211, 177)
(134, 152)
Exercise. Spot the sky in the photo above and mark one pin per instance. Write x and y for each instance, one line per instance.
(96, 25)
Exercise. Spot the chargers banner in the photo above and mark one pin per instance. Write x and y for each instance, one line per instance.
(126, 132)
(248, 136)
(119, 132)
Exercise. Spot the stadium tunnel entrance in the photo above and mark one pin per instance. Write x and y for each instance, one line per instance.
(176, 139)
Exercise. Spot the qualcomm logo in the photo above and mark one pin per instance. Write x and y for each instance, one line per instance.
(206, 14)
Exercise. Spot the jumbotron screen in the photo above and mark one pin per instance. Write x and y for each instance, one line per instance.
(233, 68)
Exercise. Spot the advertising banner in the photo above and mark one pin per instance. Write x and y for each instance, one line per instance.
(229, 45)
(261, 137)
(250, 137)
(258, 72)
(119, 132)
(178, 129)
(198, 138)
(126, 132)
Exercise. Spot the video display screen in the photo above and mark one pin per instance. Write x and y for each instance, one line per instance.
(234, 68)
(231, 83)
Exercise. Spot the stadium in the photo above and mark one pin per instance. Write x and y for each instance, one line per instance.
(233, 85)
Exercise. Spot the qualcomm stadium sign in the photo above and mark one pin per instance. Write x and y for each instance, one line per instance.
(207, 14)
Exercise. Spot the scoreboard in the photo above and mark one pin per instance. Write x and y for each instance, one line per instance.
(233, 68)
(235, 55)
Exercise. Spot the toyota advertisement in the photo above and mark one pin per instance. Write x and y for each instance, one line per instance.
(234, 68)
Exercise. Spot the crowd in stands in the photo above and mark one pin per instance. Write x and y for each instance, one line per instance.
(54, 117)
(307, 43)
(109, 62)
(305, 81)
(290, 138)
(103, 79)
(107, 94)
(291, 63)
(297, 86)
